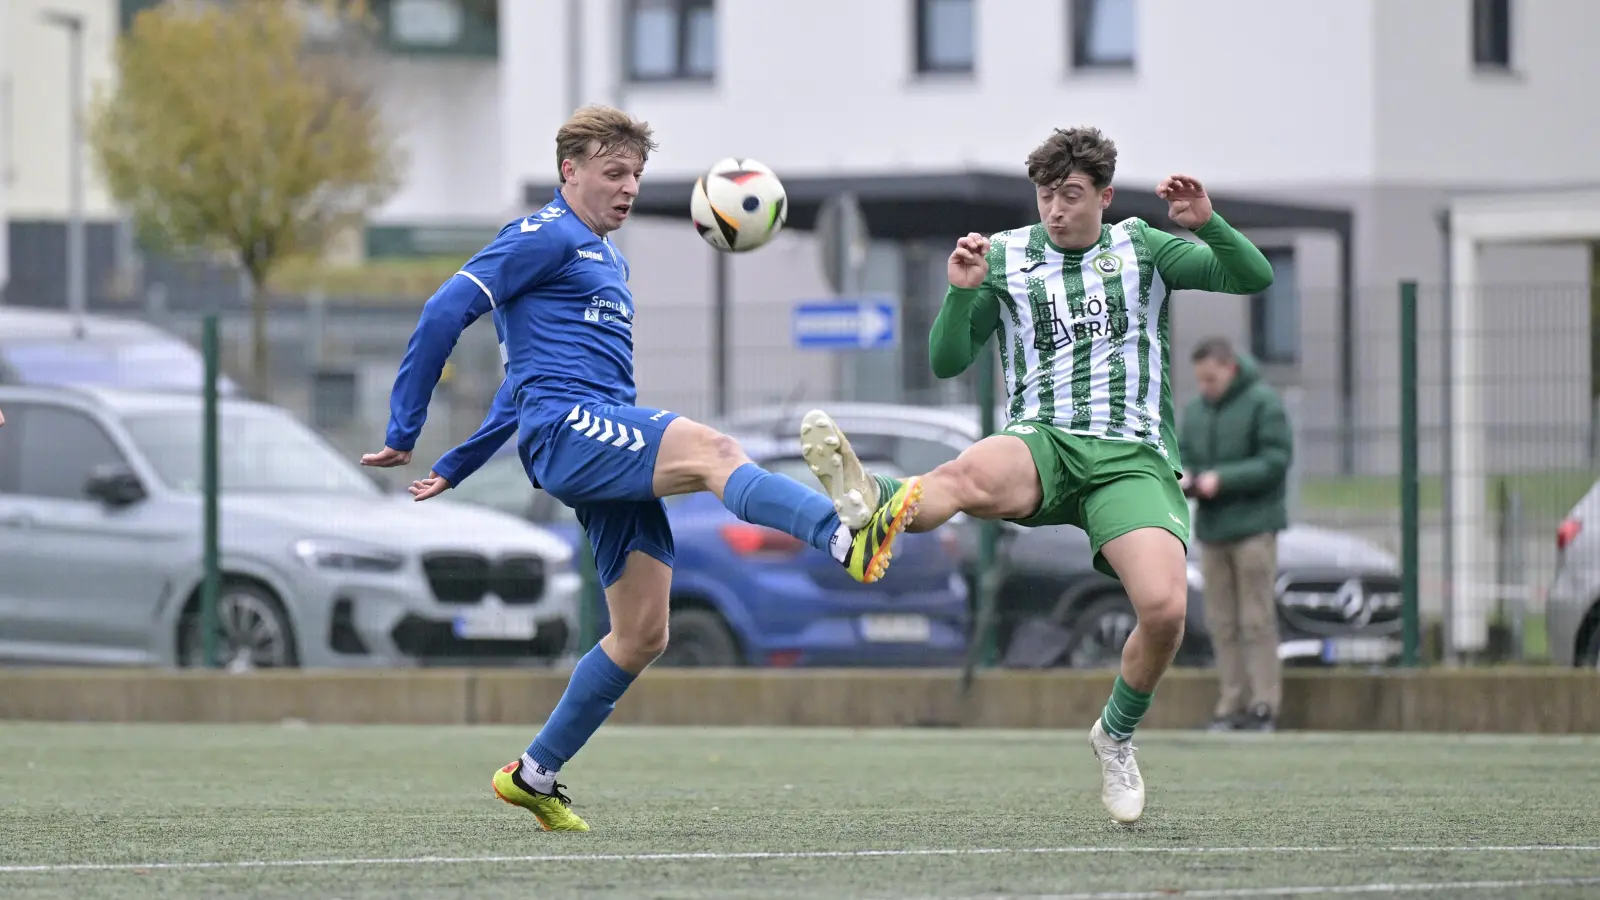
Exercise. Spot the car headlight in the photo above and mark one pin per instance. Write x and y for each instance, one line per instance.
(343, 556)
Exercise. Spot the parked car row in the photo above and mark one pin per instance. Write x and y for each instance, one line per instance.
(1338, 595)
(743, 594)
(100, 539)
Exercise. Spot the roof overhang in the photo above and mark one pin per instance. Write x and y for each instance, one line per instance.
(939, 205)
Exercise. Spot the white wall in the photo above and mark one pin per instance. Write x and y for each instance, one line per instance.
(1441, 122)
(37, 127)
(6, 89)
(446, 115)
(1215, 91)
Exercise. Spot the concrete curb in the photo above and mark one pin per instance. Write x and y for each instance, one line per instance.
(1514, 700)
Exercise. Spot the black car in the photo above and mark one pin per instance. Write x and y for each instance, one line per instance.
(1338, 594)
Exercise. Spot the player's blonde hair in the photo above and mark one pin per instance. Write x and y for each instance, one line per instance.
(611, 131)
(1069, 150)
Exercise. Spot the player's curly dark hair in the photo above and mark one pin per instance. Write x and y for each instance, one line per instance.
(612, 131)
(1069, 150)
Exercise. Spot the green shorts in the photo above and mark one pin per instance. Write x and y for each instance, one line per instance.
(1106, 487)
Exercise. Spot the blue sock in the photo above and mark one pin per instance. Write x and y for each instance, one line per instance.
(778, 501)
(596, 685)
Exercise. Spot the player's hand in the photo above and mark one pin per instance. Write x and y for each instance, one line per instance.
(388, 458)
(1187, 203)
(2, 418)
(968, 263)
(1207, 484)
(427, 487)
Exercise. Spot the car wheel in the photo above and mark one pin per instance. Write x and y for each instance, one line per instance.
(254, 631)
(698, 637)
(1591, 650)
(1099, 632)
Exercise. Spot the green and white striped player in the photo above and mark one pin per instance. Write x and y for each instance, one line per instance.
(1078, 308)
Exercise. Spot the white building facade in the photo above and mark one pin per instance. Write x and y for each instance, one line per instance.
(1380, 109)
(1376, 110)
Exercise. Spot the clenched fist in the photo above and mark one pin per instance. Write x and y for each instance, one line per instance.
(968, 263)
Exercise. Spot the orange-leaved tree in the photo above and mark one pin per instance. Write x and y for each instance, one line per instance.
(242, 130)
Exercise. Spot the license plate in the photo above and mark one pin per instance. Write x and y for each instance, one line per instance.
(496, 625)
(896, 629)
(1359, 650)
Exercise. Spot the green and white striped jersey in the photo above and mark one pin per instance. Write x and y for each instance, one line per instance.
(1083, 334)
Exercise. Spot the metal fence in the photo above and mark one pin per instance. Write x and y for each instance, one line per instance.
(1506, 445)
(1507, 434)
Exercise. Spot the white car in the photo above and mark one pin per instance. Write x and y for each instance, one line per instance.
(101, 523)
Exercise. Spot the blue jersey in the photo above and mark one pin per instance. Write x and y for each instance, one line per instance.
(558, 295)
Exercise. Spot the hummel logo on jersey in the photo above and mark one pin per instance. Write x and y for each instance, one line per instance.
(530, 225)
(591, 254)
(598, 429)
(1026, 269)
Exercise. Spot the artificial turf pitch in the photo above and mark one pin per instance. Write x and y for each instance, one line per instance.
(138, 811)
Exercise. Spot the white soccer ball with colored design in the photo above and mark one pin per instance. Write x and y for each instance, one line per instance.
(738, 205)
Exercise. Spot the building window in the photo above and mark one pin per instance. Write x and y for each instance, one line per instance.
(1104, 34)
(672, 40)
(946, 36)
(1491, 34)
(1275, 313)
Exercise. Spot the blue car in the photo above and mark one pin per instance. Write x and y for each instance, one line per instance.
(747, 595)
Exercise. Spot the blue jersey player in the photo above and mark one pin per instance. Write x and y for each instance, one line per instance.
(557, 290)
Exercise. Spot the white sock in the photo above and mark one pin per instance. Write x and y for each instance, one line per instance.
(536, 776)
(839, 544)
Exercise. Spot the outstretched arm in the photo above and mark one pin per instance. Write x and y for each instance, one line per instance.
(1226, 262)
(497, 428)
(516, 262)
(458, 303)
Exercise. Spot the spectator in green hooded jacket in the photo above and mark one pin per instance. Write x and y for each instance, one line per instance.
(1236, 445)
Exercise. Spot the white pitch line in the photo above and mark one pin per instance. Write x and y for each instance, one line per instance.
(768, 854)
(1415, 887)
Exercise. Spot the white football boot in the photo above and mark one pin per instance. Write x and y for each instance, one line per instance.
(854, 493)
(1121, 786)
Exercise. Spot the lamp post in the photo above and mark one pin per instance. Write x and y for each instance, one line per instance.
(72, 24)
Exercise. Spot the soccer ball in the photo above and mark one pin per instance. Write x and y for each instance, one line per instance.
(738, 205)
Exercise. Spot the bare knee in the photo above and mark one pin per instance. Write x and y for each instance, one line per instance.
(1163, 611)
(638, 644)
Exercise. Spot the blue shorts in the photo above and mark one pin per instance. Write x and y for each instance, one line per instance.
(601, 461)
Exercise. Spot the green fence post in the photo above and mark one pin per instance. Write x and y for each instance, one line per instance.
(592, 595)
(1410, 501)
(211, 585)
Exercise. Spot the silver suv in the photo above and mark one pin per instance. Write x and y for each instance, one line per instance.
(100, 546)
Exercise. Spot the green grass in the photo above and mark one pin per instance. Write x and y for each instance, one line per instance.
(1000, 812)
(1545, 495)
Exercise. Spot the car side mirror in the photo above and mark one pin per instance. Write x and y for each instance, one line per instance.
(114, 485)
